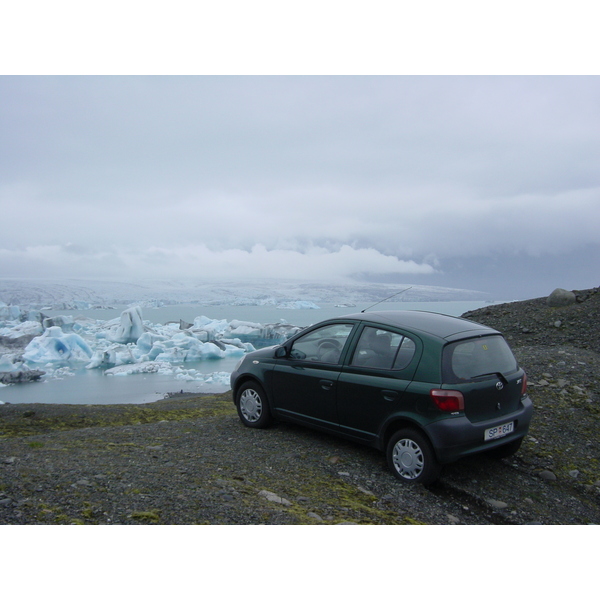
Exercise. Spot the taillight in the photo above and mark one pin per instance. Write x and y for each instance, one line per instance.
(448, 400)
(524, 387)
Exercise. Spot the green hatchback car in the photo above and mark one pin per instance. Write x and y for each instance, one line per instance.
(425, 388)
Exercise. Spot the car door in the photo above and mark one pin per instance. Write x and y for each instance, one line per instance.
(304, 383)
(372, 384)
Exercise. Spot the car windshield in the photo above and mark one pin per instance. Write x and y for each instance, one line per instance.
(473, 358)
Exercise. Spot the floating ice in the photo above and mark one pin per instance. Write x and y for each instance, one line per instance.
(128, 345)
(143, 367)
(9, 363)
(56, 346)
(113, 355)
(21, 331)
(131, 327)
(9, 313)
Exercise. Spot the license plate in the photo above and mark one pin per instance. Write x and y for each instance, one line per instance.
(497, 432)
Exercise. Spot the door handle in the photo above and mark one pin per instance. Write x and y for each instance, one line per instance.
(326, 384)
(389, 395)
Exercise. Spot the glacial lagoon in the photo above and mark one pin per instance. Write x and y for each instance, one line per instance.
(92, 386)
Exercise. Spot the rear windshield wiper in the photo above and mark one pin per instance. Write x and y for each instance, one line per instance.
(496, 373)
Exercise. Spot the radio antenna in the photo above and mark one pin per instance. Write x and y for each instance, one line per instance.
(380, 301)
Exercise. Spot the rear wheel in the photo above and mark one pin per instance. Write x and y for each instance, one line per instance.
(252, 406)
(506, 450)
(411, 458)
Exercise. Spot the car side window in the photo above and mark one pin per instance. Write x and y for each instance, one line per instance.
(322, 345)
(382, 349)
(405, 353)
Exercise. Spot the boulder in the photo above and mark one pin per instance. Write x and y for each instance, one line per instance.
(560, 297)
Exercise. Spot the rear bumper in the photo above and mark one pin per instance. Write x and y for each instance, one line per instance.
(457, 437)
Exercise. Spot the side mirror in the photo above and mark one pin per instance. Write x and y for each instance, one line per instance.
(280, 352)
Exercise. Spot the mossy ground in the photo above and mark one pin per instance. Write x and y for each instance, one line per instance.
(34, 419)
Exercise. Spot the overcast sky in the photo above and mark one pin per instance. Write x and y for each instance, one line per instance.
(486, 183)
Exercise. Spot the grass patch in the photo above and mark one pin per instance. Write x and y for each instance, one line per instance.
(146, 516)
(45, 418)
(335, 500)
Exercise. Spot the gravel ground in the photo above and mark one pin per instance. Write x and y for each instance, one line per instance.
(188, 460)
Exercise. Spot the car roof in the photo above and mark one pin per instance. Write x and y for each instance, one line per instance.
(436, 324)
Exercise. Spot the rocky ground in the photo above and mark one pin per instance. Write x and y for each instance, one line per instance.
(188, 460)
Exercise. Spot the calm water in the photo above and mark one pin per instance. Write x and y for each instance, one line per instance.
(92, 387)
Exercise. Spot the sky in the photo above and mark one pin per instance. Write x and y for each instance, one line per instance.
(478, 182)
(483, 182)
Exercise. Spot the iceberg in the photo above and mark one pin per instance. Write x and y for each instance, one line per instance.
(8, 312)
(113, 355)
(131, 327)
(128, 345)
(143, 367)
(21, 334)
(55, 346)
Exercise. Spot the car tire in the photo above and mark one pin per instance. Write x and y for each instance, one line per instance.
(505, 450)
(252, 406)
(411, 458)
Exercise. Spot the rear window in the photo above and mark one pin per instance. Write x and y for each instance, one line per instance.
(473, 358)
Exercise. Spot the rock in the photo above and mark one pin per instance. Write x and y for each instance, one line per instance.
(271, 497)
(314, 515)
(560, 297)
(548, 475)
(497, 503)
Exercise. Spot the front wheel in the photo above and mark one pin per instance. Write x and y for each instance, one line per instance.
(411, 458)
(252, 406)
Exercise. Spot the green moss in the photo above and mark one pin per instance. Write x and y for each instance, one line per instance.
(78, 417)
(335, 500)
(148, 516)
(410, 521)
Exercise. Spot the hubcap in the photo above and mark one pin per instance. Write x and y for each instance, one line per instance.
(408, 458)
(250, 405)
